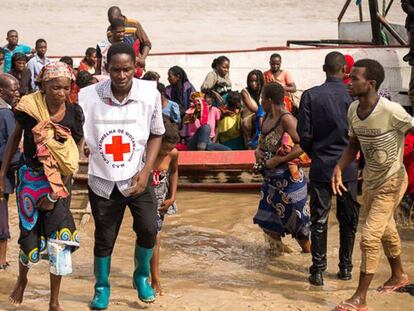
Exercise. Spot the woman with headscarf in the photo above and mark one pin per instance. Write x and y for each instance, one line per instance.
(180, 88)
(51, 129)
(20, 71)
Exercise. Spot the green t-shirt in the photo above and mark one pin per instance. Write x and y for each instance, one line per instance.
(381, 136)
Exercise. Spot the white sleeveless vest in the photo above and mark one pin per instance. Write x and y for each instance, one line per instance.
(117, 135)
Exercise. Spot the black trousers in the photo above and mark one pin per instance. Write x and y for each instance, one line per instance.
(108, 215)
(347, 214)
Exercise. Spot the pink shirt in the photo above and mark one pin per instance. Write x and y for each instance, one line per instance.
(213, 116)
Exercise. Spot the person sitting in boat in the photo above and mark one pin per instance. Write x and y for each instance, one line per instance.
(250, 107)
(283, 77)
(88, 63)
(151, 76)
(20, 71)
(52, 128)
(283, 207)
(218, 81)
(133, 29)
(164, 182)
(170, 108)
(85, 79)
(229, 129)
(200, 123)
(180, 88)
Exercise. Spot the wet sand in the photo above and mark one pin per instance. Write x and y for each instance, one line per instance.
(213, 258)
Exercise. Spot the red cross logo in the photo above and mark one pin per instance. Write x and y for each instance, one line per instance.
(117, 148)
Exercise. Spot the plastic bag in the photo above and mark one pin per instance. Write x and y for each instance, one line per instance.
(60, 257)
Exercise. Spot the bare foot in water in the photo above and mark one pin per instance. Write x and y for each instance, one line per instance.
(157, 287)
(16, 296)
(55, 307)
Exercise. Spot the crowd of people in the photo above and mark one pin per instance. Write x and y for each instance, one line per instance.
(132, 128)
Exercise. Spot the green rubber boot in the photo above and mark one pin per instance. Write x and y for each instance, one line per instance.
(102, 267)
(142, 270)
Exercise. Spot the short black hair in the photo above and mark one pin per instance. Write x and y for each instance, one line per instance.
(84, 79)
(373, 71)
(67, 60)
(334, 61)
(219, 60)
(12, 30)
(161, 88)
(275, 92)
(121, 48)
(234, 99)
(89, 51)
(113, 10)
(172, 134)
(5, 79)
(117, 23)
(275, 55)
(151, 76)
(38, 41)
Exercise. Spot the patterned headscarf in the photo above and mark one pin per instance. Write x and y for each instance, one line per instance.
(55, 70)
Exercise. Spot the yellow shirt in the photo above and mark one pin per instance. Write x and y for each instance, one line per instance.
(381, 136)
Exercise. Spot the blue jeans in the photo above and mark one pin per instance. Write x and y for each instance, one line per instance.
(201, 141)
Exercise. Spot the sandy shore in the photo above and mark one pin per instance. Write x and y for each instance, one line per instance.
(213, 258)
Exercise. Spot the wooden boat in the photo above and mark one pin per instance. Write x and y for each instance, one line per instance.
(206, 170)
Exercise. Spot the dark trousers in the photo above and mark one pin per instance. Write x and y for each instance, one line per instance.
(347, 214)
(108, 215)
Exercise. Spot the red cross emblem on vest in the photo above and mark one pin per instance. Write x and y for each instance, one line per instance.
(117, 148)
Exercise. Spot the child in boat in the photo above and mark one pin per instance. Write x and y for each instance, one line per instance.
(165, 181)
(170, 109)
(229, 127)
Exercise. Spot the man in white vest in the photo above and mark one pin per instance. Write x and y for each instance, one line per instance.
(123, 131)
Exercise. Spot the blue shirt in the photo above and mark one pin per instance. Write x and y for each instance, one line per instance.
(172, 110)
(20, 48)
(323, 129)
(35, 65)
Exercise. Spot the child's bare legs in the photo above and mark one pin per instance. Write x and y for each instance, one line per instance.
(16, 296)
(55, 281)
(155, 266)
(3, 252)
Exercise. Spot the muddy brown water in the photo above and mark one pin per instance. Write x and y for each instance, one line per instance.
(212, 258)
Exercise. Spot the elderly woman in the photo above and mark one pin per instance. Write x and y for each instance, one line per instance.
(283, 208)
(51, 129)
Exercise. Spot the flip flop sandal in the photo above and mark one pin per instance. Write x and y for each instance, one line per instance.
(385, 289)
(346, 306)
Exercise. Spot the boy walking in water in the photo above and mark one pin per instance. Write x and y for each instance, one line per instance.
(378, 127)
